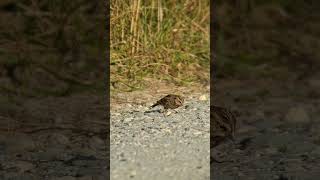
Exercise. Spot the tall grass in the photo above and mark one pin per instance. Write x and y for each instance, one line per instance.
(159, 39)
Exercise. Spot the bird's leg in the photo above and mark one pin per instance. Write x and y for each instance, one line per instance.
(161, 110)
(167, 112)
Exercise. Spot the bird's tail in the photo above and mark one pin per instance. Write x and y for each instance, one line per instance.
(154, 105)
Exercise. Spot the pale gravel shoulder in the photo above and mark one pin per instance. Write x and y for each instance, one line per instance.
(150, 146)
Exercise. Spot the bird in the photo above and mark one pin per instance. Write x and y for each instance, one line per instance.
(223, 126)
(170, 101)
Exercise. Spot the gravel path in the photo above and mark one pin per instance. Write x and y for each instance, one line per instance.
(148, 145)
(278, 136)
(54, 139)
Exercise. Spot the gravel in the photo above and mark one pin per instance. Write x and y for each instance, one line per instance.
(37, 147)
(278, 133)
(146, 144)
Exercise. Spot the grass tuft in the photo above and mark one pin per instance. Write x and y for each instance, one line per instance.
(164, 40)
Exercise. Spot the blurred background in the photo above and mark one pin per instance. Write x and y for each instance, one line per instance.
(267, 61)
(258, 39)
(52, 55)
(163, 41)
(52, 87)
(52, 48)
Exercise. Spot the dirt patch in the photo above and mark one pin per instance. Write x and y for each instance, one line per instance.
(155, 90)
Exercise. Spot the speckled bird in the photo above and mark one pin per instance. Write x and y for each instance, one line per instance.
(170, 101)
(223, 125)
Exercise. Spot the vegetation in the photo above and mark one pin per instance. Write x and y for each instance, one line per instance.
(51, 47)
(267, 38)
(159, 39)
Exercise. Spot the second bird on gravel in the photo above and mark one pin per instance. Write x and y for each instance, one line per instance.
(170, 101)
(223, 125)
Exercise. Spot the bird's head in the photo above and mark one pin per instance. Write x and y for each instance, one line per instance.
(179, 101)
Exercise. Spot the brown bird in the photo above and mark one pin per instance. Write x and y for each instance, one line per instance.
(223, 124)
(222, 127)
(170, 101)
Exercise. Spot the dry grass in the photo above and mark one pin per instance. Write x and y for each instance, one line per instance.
(159, 39)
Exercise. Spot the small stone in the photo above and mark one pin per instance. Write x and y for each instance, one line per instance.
(167, 131)
(315, 83)
(271, 151)
(238, 151)
(257, 155)
(128, 119)
(196, 133)
(145, 108)
(247, 129)
(297, 115)
(24, 166)
(271, 162)
(259, 115)
(276, 177)
(203, 98)
(133, 174)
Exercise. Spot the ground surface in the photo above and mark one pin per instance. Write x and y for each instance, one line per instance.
(145, 144)
(278, 136)
(64, 138)
(54, 138)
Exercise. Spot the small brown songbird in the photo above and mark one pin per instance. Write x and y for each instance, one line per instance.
(222, 127)
(170, 101)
